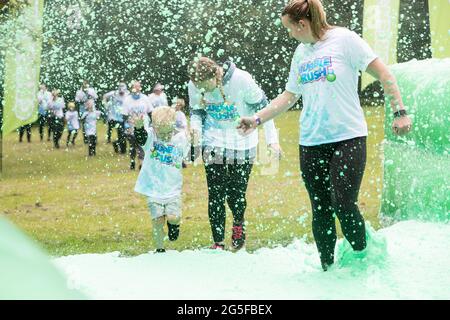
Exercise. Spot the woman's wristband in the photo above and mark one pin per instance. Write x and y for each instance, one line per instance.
(257, 120)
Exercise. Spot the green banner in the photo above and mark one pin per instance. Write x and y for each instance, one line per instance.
(22, 67)
(440, 28)
(380, 30)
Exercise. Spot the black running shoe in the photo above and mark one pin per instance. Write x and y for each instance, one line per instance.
(174, 231)
(160, 250)
(132, 165)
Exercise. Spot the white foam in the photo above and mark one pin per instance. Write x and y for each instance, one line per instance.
(417, 267)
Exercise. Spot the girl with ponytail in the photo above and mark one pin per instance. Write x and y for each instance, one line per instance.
(324, 71)
(219, 95)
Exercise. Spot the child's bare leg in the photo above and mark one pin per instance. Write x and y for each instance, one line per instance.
(158, 232)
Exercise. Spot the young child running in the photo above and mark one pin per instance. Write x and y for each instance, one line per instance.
(160, 178)
(90, 118)
(73, 124)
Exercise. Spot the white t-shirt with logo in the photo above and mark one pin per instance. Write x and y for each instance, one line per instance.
(219, 128)
(161, 177)
(158, 100)
(132, 107)
(326, 74)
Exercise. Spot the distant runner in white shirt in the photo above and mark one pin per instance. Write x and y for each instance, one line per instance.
(73, 123)
(158, 98)
(83, 95)
(90, 117)
(113, 101)
(135, 105)
(44, 97)
(56, 107)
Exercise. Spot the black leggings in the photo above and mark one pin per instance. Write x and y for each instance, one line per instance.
(135, 148)
(57, 130)
(69, 136)
(226, 181)
(92, 144)
(22, 130)
(42, 119)
(121, 143)
(332, 174)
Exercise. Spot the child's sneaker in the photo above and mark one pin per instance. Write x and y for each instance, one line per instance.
(174, 231)
(217, 246)
(160, 250)
(238, 236)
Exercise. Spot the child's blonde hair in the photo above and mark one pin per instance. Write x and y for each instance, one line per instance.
(71, 104)
(163, 117)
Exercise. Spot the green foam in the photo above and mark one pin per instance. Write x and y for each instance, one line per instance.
(417, 166)
(25, 270)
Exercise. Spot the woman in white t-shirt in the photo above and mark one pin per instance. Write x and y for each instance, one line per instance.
(324, 71)
(218, 96)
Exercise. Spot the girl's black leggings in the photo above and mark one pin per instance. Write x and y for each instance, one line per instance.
(226, 182)
(332, 174)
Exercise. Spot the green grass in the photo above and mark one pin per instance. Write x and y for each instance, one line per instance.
(71, 204)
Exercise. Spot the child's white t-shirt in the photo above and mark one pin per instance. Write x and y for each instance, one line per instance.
(135, 107)
(326, 74)
(160, 177)
(57, 107)
(219, 129)
(72, 120)
(114, 105)
(90, 123)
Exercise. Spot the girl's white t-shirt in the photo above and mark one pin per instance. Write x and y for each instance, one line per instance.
(326, 74)
(90, 123)
(219, 128)
(72, 120)
(57, 107)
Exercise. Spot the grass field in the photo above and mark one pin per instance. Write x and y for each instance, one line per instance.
(72, 204)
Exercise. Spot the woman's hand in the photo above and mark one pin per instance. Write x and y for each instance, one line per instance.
(402, 125)
(246, 125)
(275, 148)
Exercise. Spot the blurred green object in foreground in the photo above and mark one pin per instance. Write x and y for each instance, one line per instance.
(416, 183)
(25, 270)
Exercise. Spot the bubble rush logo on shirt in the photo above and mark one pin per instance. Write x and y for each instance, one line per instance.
(315, 70)
(166, 154)
(222, 112)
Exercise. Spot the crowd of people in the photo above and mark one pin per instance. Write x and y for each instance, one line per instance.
(226, 107)
(81, 115)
